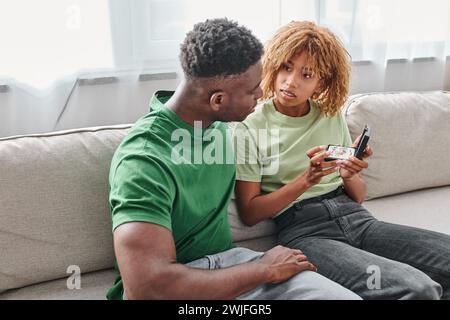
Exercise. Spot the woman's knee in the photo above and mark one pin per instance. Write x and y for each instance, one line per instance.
(405, 282)
(425, 289)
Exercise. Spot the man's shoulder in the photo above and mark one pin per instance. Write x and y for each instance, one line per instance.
(143, 145)
(139, 135)
(150, 130)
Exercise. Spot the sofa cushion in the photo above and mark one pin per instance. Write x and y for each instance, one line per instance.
(93, 286)
(426, 209)
(259, 244)
(54, 208)
(410, 139)
(242, 232)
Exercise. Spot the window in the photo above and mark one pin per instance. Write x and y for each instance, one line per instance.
(157, 27)
(45, 40)
(398, 29)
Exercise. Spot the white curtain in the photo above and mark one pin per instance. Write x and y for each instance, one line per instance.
(45, 46)
(403, 44)
(395, 44)
(402, 29)
(46, 40)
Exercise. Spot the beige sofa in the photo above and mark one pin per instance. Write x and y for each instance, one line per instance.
(54, 193)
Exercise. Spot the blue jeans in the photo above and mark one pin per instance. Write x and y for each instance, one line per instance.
(374, 259)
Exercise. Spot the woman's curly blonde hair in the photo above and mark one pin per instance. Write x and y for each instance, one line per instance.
(326, 55)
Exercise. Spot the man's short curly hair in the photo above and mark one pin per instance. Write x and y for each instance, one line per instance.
(219, 48)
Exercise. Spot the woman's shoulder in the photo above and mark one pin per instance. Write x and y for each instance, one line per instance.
(259, 117)
(337, 117)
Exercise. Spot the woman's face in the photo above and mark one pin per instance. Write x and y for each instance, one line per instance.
(295, 83)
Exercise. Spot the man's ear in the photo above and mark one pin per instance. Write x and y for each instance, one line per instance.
(218, 99)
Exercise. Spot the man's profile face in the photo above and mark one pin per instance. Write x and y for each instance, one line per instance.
(244, 91)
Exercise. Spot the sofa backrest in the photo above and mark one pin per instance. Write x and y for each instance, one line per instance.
(54, 209)
(410, 139)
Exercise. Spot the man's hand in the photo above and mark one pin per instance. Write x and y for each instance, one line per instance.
(283, 263)
(318, 167)
(353, 166)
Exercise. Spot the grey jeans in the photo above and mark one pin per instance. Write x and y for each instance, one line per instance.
(306, 285)
(374, 259)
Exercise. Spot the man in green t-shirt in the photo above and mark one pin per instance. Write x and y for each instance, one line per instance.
(172, 177)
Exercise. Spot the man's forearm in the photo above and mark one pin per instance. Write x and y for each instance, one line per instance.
(178, 281)
(355, 188)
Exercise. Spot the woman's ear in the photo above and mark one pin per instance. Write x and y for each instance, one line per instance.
(217, 100)
(318, 89)
(320, 86)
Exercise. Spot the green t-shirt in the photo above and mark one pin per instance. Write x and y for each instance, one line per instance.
(168, 173)
(271, 147)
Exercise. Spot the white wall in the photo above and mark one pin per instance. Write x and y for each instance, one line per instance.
(123, 101)
(116, 103)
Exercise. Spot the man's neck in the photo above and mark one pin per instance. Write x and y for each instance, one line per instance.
(189, 106)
